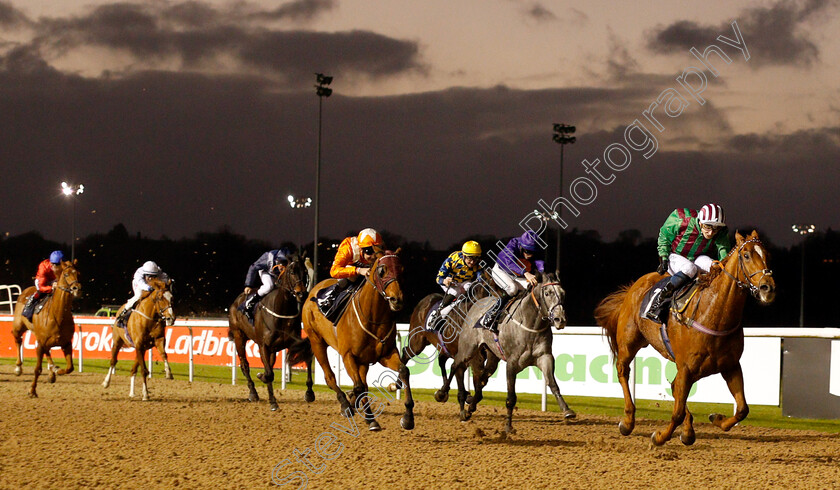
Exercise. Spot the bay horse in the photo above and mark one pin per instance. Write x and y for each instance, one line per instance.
(53, 325)
(445, 341)
(144, 329)
(276, 327)
(524, 340)
(366, 333)
(711, 341)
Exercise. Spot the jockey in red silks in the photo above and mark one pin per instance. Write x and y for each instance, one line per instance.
(44, 280)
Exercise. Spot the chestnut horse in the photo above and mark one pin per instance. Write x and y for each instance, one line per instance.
(276, 327)
(709, 342)
(366, 333)
(53, 325)
(145, 328)
(446, 340)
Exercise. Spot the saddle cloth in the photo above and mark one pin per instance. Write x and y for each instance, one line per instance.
(334, 311)
(677, 302)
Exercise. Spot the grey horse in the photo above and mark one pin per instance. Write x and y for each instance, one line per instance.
(524, 340)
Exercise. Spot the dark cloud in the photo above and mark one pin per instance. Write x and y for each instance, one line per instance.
(200, 35)
(10, 17)
(540, 13)
(774, 35)
(298, 10)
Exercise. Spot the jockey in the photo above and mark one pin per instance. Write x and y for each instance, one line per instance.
(262, 274)
(455, 277)
(352, 262)
(44, 280)
(513, 272)
(686, 241)
(139, 284)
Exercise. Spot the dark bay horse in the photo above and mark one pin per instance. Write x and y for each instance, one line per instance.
(366, 333)
(711, 341)
(446, 340)
(525, 339)
(144, 329)
(53, 325)
(276, 327)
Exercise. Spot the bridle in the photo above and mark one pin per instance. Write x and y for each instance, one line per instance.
(69, 288)
(161, 311)
(289, 285)
(380, 284)
(550, 313)
(747, 283)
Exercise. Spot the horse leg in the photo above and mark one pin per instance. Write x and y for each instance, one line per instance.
(319, 350)
(115, 349)
(510, 402)
(145, 374)
(735, 382)
(67, 349)
(239, 342)
(268, 379)
(622, 367)
(442, 395)
(679, 388)
(17, 333)
(361, 396)
(546, 365)
(51, 368)
(159, 343)
(479, 380)
(138, 360)
(394, 363)
(39, 359)
(458, 371)
(309, 396)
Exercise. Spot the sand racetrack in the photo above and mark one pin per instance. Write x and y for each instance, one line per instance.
(205, 435)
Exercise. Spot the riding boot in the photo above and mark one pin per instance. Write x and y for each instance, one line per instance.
(29, 307)
(488, 320)
(122, 320)
(325, 303)
(435, 317)
(250, 304)
(663, 296)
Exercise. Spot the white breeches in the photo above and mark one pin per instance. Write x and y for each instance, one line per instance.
(137, 287)
(509, 283)
(267, 283)
(455, 289)
(678, 263)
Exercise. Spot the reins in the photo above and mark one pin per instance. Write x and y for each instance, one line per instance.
(381, 290)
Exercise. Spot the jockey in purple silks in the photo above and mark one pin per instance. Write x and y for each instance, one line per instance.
(513, 273)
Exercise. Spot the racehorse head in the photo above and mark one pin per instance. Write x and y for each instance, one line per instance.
(294, 278)
(162, 301)
(385, 275)
(68, 279)
(550, 296)
(752, 272)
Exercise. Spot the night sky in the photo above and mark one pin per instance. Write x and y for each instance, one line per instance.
(181, 117)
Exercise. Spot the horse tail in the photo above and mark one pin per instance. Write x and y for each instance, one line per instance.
(606, 314)
(300, 351)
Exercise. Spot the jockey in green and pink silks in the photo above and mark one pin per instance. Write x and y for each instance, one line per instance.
(689, 241)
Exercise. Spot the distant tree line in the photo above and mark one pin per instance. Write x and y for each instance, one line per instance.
(209, 269)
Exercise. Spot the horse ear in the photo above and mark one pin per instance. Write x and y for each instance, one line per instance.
(399, 249)
(738, 238)
(754, 234)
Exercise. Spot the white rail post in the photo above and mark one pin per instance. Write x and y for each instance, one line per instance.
(632, 380)
(283, 369)
(191, 354)
(81, 350)
(545, 385)
(233, 367)
(150, 364)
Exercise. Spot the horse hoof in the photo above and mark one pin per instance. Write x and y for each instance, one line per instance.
(274, 407)
(687, 440)
(374, 426)
(625, 430)
(105, 384)
(145, 398)
(169, 376)
(32, 394)
(716, 419)
(465, 415)
(392, 387)
(469, 400)
(253, 397)
(654, 439)
(18, 371)
(309, 396)
(52, 377)
(569, 414)
(441, 396)
(407, 424)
